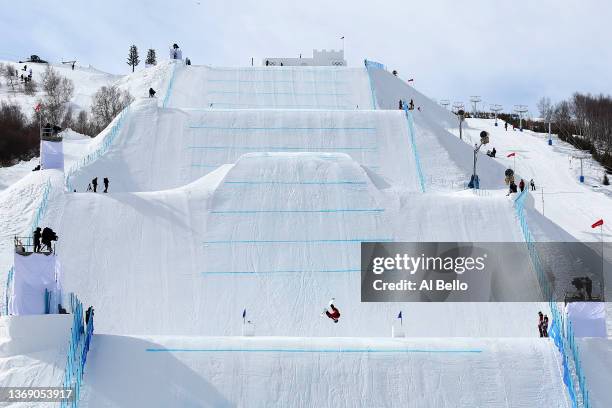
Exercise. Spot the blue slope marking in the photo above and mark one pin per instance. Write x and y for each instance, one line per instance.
(303, 241)
(302, 350)
(323, 211)
(281, 272)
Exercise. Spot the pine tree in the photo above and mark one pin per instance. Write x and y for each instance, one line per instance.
(151, 58)
(606, 181)
(133, 60)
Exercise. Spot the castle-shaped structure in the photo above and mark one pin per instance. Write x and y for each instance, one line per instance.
(322, 58)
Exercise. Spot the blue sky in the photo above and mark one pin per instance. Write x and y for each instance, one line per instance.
(509, 52)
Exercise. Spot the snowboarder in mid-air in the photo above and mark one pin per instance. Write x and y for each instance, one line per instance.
(334, 314)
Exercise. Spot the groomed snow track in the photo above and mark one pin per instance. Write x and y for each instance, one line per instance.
(251, 189)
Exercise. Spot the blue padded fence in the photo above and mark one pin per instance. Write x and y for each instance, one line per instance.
(561, 330)
(415, 152)
(103, 148)
(80, 339)
(8, 290)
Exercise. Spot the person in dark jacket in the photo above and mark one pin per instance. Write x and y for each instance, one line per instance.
(532, 184)
(512, 188)
(105, 184)
(522, 185)
(540, 323)
(401, 105)
(94, 183)
(47, 236)
(37, 239)
(545, 326)
(151, 92)
(506, 126)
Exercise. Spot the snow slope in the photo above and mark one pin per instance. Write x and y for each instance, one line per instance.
(555, 170)
(324, 372)
(178, 249)
(274, 230)
(596, 357)
(328, 88)
(86, 80)
(33, 352)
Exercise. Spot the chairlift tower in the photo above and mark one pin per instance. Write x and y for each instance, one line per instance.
(445, 103)
(521, 110)
(496, 108)
(457, 106)
(475, 99)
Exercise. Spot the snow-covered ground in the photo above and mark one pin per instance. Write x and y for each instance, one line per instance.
(259, 202)
(555, 169)
(86, 80)
(324, 372)
(10, 175)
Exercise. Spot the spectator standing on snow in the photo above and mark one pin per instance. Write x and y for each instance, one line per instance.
(105, 184)
(411, 105)
(532, 184)
(94, 183)
(540, 323)
(512, 187)
(401, 104)
(545, 327)
(151, 92)
(506, 126)
(89, 187)
(522, 185)
(37, 239)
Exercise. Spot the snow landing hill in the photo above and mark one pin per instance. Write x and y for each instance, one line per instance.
(252, 188)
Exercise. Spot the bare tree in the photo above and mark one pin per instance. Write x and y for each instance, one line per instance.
(30, 87)
(108, 101)
(10, 74)
(132, 59)
(58, 92)
(545, 108)
(81, 124)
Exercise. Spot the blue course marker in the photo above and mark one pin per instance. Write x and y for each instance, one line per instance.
(323, 211)
(318, 183)
(296, 271)
(302, 350)
(298, 241)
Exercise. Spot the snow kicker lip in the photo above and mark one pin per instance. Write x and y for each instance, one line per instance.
(482, 272)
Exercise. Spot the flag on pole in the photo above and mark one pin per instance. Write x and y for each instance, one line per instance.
(598, 223)
(244, 313)
(342, 38)
(511, 155)
(37, 107)
(399, 316)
